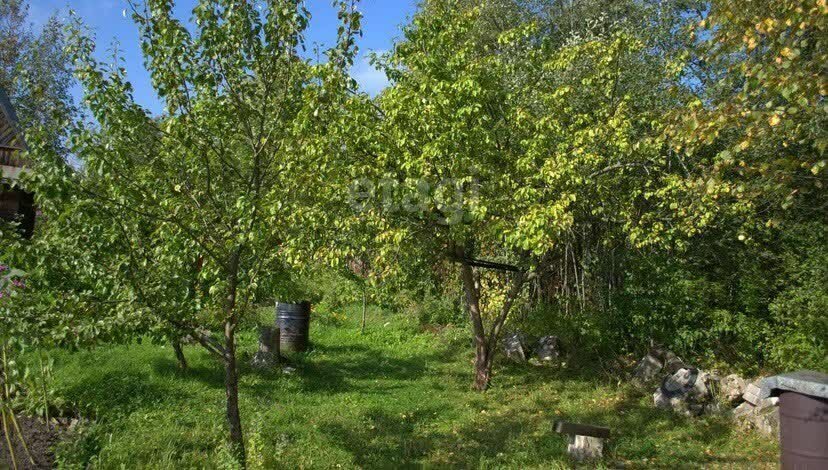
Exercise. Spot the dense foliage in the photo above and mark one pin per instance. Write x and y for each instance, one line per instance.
(665, 176)
(172, 224)
(35, 71)
(618, 173)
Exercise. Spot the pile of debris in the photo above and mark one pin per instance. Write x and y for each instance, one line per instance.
(516, 346)
(689, 391)
(757, 413)
(694, 392)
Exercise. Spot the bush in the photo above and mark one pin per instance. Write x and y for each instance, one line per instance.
(434, 309)
(750, 306)
(798, 337)
(589, 333)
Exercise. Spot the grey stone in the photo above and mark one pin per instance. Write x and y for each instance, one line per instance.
(673, 363)
(661, 400)
(763, 418)
(683, 381)
(515, 347)
(584, 448)
(655, 363)
(686, 392)
(548, 348)
(805, 382)
(767, 403)
(268, 354)
(766, 421)
(732, 388)
(743, 410)
(752, 392)
(648, 368)
(702, 390)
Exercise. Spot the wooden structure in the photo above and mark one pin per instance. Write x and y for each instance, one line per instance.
(15, 204)
(586, 442)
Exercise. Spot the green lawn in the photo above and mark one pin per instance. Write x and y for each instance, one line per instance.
(394, 397)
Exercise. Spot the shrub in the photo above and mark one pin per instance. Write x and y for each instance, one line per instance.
(435, 309)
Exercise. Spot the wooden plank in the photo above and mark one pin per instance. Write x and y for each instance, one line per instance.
(479, 263)
(493, 265)
(575, 429)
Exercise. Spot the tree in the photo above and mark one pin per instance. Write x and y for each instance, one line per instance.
(433, 140)
(35, 71)
(753, 197)
(498, 143)
(759, 132)
(181, 221)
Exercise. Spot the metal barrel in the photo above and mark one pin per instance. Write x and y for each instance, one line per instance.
(293, 321)
(803, 424)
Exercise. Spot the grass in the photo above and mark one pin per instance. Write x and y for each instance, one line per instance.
(392, 398)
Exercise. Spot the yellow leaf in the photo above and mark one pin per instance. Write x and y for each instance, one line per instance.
(774, 120)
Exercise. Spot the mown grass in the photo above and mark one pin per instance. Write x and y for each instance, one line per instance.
(392, 398)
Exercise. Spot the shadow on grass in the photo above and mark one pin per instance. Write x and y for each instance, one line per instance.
(385, 441)
(328, 370)
(210, 373)
(117, 393)
(638, 432)
(392, 441)
(341, 369)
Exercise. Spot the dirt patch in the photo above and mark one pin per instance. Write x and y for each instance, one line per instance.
(40, 440)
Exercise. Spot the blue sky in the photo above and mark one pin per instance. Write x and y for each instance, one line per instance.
(381, 25)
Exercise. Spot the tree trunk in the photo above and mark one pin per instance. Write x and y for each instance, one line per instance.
(485, 347)
(482, 364)
(231, 376)
(179, 354)
(497, 326)
(231, 384)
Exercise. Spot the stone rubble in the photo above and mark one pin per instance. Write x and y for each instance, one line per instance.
(752, 392)
(693, 392)
(648, 368)
(548, 348)
(655, 364)
(688, 392)
(732, 388)
(514, 345)
(763, 417)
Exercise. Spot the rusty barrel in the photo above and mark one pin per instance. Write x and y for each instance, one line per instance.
(293, 321)
(803, 422)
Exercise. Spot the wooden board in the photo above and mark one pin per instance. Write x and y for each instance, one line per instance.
(575, 429)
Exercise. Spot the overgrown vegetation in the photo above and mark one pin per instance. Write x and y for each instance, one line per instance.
(614, 173)
(394, 396)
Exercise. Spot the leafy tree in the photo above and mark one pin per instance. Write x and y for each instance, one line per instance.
(753, 196)
(757, 136)
(536, 138)
(35, 71)
(182, 221)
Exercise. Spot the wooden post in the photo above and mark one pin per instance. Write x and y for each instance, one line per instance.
(269, 353)
(364, 301)
(586, 442)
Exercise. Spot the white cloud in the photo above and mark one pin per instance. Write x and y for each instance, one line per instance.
(371, 80)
